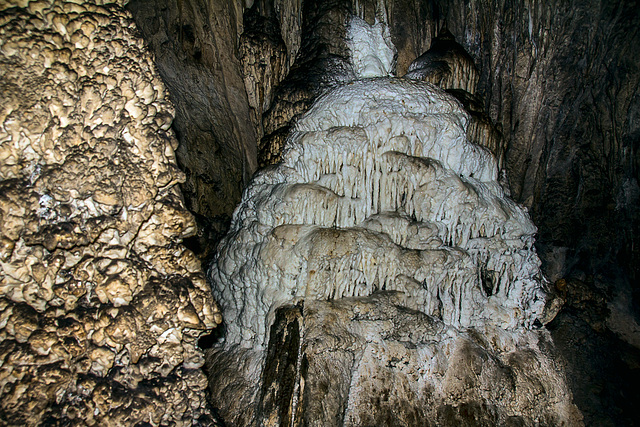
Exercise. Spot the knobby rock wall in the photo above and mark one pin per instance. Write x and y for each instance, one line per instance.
(196, 51)
(101, 305)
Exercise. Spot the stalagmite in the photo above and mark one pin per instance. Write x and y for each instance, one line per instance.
(368, 161)
(380, 205)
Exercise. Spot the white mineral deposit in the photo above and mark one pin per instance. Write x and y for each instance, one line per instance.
(379, 189)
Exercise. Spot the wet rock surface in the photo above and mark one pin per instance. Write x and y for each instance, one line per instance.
(101, 305)
(371, 361)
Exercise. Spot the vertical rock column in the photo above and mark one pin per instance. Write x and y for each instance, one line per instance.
(195, 46)
(101, 306)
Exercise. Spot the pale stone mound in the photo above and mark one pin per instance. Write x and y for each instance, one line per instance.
(380, 190)
(379, 276)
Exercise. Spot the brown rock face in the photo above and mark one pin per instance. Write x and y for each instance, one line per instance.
(195, 45)
(447, 65)
(101, 305)
(321, 62)
(371, 361)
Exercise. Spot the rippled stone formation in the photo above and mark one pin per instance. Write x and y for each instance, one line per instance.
(379, 275)
(379, 189)
(101, 305)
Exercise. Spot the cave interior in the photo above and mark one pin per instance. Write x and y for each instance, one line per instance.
(552, 89)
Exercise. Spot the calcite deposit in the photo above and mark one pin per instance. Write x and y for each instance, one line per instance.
(101, 306)
(380, 190)
(379, 275)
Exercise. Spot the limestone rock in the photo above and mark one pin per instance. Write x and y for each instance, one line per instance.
(372, 361)
(195, 47)
(322, 62)
(380, 193)
(377, 183)
(447, 65)
(101, 304)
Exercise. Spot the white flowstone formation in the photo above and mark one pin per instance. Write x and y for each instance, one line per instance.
(372, 52)
(379, 189)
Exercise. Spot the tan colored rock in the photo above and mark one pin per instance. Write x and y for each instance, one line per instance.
(371, 361)
(198, 54)
(101, 306)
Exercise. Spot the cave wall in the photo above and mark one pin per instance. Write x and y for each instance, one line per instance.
(195, 45)
(101, 305)
(563, 81)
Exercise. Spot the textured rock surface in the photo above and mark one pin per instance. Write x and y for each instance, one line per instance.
(386, 365)
(321, 63)
(101, 305)
(561, 82)
(561, 79)
(447, 65)
(379, 190)
(264, 56)
(373, 361)
(196, 51)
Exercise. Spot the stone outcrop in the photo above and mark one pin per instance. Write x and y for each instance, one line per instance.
(372, 361)
(557, 102)
(196, 50)
(101, 305)
(379, 275)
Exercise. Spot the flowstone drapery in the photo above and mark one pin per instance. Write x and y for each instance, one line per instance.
(378, 275)
(379, 189)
